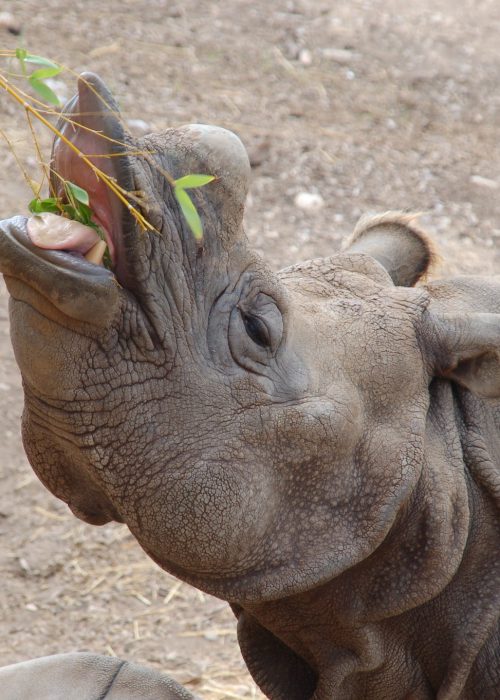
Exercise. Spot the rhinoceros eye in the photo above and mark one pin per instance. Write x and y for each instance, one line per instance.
(256, 329)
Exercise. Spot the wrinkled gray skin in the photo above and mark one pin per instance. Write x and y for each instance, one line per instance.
(86, 677)
(320, 447)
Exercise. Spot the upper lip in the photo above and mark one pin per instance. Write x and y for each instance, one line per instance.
(91, 123)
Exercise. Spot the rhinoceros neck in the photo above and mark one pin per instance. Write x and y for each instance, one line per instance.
(472, 600)
(420, 615)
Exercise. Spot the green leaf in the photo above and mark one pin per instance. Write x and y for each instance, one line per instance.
(44, 73)
(76, 192)
(80, 213)
(44, 91)
(21, 55)
(39, 60)
(189, 211)
(40, 206)
(78, 207)
(187, 207)
(85, 213)
(190, 181)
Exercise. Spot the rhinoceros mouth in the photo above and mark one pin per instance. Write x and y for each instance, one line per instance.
(92, 153)
(59, 281)
(79, 288)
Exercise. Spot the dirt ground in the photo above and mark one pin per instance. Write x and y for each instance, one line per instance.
(371, 104)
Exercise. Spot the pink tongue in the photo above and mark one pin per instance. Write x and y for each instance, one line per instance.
(54, 232)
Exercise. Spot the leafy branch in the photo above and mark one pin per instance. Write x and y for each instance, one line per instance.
(37, 77)
(78, 206)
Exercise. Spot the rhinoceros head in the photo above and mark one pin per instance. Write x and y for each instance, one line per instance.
(258, 432)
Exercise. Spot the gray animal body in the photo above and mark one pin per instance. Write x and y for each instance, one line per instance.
(320, 447)
(85, 677)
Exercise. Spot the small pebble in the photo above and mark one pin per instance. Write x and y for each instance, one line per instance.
(211, 636)
(484, 182)
(24, 566)
(259, 152)
(9, 22)
(309, 200)
(139, 125)
(305, 57)
(31, 607)
(341, 56)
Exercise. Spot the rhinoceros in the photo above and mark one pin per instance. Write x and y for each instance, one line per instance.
(320, 447)
(80, 676)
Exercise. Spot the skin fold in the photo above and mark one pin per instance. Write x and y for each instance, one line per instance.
(320, 447)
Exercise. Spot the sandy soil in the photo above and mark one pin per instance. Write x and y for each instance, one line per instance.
(373, 105)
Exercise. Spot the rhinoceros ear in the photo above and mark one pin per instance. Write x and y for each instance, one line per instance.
(397, 243)
(465, 349)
